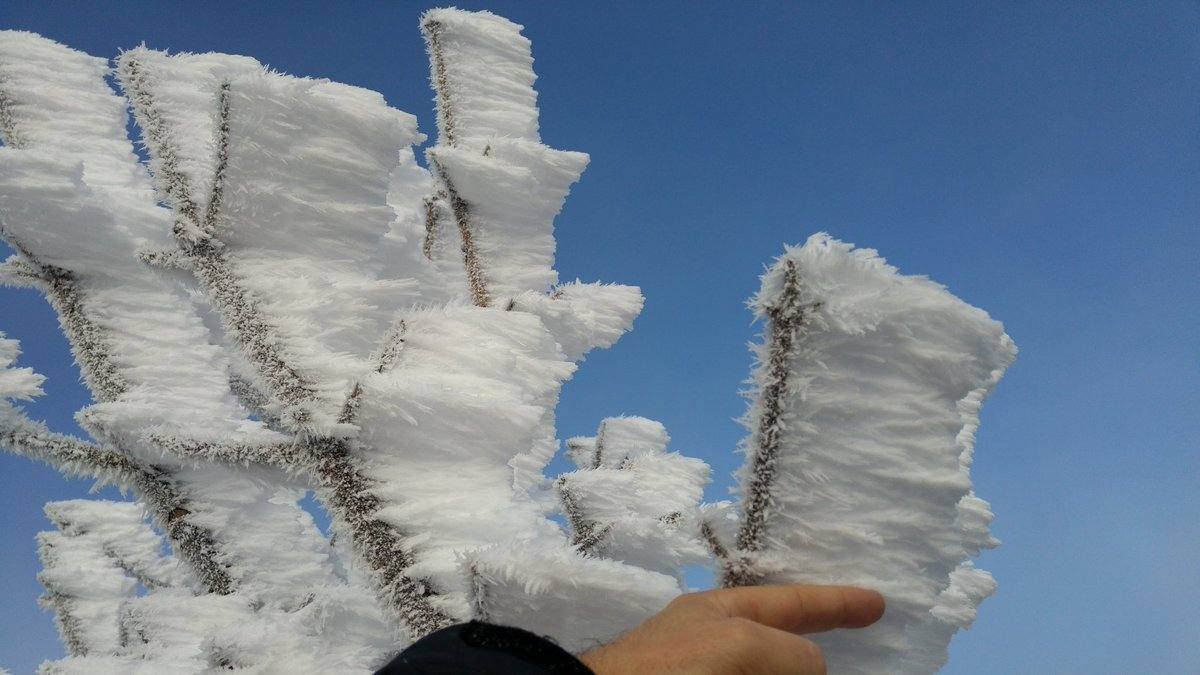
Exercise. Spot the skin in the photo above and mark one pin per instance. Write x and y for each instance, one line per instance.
(752, 629)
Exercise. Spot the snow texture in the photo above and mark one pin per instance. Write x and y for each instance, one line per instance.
(863, 423)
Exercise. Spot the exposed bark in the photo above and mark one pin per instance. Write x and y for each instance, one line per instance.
(433, 38)
(8, 120)
(586, 534)
(393, 344)
(433, 224)
(715, 547)
(786, 316)
(476, 278)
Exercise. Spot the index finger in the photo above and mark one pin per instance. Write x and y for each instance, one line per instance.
(799, 608)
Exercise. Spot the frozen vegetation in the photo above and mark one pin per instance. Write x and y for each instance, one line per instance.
(284, 299)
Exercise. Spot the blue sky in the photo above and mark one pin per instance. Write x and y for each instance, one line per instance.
(1040, 159)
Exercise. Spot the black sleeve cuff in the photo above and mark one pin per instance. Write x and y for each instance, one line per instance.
(484, 649)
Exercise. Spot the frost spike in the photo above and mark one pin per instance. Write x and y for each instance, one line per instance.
(545, 589)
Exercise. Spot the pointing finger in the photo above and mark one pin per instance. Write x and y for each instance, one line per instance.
(799, 608)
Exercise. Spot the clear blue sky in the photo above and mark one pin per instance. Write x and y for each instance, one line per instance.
(1039, 158)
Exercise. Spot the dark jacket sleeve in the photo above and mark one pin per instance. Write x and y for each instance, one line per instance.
(484, 649)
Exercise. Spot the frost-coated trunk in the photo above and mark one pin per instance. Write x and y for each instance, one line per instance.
(283, 299)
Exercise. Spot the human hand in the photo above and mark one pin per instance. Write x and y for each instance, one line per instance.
(751, 629)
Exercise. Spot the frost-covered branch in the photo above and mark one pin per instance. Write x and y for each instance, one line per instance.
(92, 564)
(195, 544)
(76, 204)
(18, 273)
(586, 534)
(30, 439)
(503, 187)
(253, 399)
(631, 500)
(326, 451)
(91, 349)
(785, 314)
(70, 455)
(348, 494)
(283, 455)
(327, 458)
(195, 227)
(867, 394)
(476, 278)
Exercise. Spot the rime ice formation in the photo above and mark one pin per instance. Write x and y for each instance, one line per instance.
(862, 429)
(284, 299)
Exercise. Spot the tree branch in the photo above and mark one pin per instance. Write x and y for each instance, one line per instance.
(195, 544)
(787, 317)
